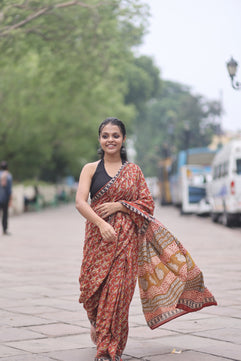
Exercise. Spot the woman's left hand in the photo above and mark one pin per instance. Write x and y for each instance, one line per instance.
(107, 209)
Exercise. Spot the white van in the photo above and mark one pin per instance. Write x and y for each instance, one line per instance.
(224, 190)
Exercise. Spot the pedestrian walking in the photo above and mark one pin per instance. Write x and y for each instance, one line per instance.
(5, 194)
(124, 241)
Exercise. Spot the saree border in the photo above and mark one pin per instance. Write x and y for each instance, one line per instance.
(105, 188)
(181, 310)
(147, 218)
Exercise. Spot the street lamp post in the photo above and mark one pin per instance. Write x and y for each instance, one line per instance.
(187, 138)
(232, 66)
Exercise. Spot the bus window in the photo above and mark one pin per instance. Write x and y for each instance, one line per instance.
(238, 164)
(225, 168)
(220, 171)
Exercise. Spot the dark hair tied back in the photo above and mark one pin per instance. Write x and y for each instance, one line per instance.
(120, 124)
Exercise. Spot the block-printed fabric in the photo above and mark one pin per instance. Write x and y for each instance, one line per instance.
(170, 282)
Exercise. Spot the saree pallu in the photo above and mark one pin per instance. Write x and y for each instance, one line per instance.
(170, 282)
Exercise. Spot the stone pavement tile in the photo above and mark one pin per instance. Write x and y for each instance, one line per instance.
(136, 310)
(9, 351)
(28, 357)
(72, 305)
(58, 303)
(226, 311)
(81, 312)
(12, 302)
(203, 345)
(137, 320)
(77, 318)
(58, 329)
(226, 334)
(69, 298)
(32, 310)
(53, 344)
(35, 291)
(143, 348)
(186, 356)
(144, 332)
(24, 320)
(199, 314)
(202, 324)
(229, 301)
(10, 294)
(5, 315)
(84, 354)
(16, 334)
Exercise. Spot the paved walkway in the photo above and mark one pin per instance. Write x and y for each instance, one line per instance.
(39, 312)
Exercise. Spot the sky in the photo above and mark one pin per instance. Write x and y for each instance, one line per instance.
(191, 42)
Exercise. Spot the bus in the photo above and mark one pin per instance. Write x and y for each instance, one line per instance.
(190, 173)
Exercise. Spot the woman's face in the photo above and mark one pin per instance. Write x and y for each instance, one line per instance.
(111, 139)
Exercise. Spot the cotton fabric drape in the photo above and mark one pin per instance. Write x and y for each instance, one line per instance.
(170, 282)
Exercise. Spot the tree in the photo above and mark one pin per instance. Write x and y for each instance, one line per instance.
(144, 82)
(165, 121)
(61, 73)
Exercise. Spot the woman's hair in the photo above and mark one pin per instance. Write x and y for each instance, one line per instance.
(120, 124)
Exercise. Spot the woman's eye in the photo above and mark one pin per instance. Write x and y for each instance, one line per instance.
(104, 136)
(116, 136)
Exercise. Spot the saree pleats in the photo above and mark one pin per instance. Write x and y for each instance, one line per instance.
(170, 282)
(112, 321)
(108, 307)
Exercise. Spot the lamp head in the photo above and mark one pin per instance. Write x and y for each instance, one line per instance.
(232, 66)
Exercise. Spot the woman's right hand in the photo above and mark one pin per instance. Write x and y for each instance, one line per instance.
(107, 232)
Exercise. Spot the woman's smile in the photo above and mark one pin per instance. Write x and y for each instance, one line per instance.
(110, 145)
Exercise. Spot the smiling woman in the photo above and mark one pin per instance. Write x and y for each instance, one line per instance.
(123, 240)
(112, 135)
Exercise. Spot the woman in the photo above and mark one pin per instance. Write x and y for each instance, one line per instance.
(124, 240)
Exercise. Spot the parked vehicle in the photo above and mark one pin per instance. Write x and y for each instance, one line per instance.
(224, 191)
(191, 170)
(193, 183)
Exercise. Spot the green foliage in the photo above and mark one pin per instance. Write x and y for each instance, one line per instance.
(163, 126)
(61, 72)
(67, 65)
(144, 82)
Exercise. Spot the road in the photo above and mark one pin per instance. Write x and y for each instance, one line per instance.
(39, 312)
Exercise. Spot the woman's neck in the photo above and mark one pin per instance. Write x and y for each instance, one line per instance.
(112, 159)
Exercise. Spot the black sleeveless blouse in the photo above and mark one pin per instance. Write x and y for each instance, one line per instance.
(100, 178)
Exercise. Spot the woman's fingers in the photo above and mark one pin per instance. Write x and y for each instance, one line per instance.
(106, 209)
(109, 236)
(108, 233)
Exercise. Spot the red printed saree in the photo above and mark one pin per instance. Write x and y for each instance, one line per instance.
(170, 283)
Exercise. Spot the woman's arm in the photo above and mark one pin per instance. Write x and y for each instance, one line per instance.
(106, 230)
(107, 209)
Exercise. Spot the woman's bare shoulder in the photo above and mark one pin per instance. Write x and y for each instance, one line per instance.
(90, 168)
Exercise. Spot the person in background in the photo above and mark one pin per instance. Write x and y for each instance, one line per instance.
(5, 194)
(124, 241)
